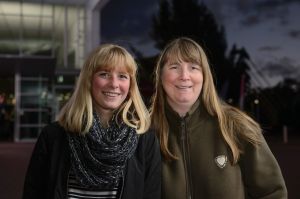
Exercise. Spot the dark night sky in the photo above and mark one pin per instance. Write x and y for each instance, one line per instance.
(268, 29)
(129, 23)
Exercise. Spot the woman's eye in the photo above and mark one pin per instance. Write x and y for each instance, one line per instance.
(195, 67)
(123, 76)
(104, 74)
(173, 66)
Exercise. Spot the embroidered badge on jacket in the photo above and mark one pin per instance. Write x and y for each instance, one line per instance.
(221, 161)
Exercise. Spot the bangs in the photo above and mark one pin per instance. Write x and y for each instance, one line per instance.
(116, 60)
(183, 51)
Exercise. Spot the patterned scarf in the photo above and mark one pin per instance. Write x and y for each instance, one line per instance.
(99, 157)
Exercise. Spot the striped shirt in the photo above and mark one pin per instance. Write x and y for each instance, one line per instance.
(76, 191)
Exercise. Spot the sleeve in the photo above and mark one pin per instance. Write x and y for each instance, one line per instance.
(261, 173)
(35, 184)
(153, 168)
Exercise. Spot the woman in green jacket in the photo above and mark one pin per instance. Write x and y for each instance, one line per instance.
(210, 149)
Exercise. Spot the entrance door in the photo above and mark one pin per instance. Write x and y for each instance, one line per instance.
(33, 109)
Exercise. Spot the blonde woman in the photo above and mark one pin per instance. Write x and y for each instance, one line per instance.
(210, 149)
(98, 148)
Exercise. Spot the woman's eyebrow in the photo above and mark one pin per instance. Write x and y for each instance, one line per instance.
(173, 63)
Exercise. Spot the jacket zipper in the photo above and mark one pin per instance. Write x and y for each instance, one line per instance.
(186, 159)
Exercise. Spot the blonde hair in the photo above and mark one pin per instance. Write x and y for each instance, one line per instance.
(233, 123)
(77, 114)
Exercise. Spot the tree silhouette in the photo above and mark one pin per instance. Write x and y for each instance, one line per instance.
(278, 106)
(178, 18)
(288, 95)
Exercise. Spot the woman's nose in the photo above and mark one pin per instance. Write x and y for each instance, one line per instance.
(184, 74)
(114, 83)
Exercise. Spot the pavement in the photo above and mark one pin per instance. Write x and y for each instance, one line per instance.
(287, 155)
(14, 159)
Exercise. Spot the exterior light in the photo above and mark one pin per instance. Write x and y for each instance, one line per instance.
(60, 79)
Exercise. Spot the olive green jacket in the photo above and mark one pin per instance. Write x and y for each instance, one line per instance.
(204, 170)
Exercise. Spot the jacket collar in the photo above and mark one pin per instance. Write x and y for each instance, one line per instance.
(197, 113)
(174, 118)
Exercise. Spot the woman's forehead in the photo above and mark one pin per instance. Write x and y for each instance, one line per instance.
(114, 68)
(119, 66)
(179, 59)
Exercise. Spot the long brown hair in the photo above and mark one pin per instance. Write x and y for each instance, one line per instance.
(233, 123)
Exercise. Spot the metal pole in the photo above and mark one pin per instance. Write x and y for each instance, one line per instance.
(66, 42)
(21, 29)
(53, 28)
(17, 106)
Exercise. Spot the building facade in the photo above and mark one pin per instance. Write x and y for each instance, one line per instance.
(43, 44)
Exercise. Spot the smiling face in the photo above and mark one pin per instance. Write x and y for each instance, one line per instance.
(109, 89)
(182, 83)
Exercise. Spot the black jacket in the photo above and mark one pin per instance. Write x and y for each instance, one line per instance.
(49, 167)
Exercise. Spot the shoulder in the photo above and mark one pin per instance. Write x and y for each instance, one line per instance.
(148, 137)
(148, 141)
(237, 115)
(52, 132)
(148, 150)
(52, 139)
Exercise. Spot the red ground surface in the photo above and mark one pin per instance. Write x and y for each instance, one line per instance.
(14, 158)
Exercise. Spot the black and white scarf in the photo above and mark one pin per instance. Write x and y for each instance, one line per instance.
(99, 157)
